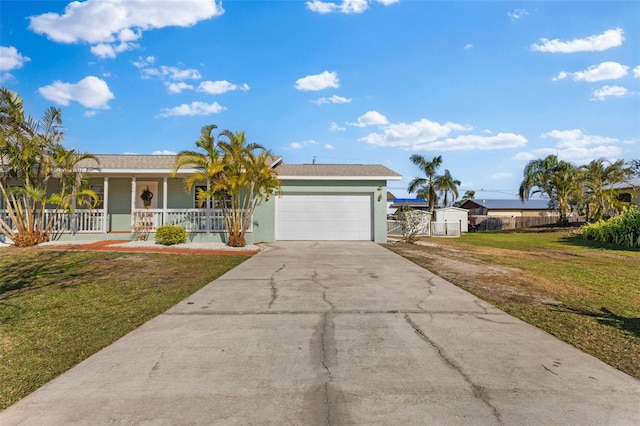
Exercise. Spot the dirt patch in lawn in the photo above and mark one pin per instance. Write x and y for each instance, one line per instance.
(466, 269)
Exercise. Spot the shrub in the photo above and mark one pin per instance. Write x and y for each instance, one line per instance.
(622, 230)
(170, 234)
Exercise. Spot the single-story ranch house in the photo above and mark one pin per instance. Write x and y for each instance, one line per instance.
(318, 202)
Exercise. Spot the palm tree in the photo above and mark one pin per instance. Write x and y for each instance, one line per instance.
(445, 185)
(237, 175)
(425, 186)
(598, 178)
(26, 157)
(248, 181)
(209, 166)
(558, 180)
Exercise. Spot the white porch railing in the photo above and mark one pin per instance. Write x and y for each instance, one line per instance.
(82, 221)
(193, 220)
(78, 222)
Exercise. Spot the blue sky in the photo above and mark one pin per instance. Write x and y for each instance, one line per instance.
(487, 85)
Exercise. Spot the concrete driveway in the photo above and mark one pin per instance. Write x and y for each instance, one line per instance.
(334, 333)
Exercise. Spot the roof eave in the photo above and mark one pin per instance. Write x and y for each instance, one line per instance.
(292, 177)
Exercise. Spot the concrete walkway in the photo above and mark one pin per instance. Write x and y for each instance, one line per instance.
(334, 333)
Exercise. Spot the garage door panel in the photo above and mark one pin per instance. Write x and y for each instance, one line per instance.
(324, 217)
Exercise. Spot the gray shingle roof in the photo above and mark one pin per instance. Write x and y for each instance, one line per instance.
(164, 163)
(137, 162)
(335, 170)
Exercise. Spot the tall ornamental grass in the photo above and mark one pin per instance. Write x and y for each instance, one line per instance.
(622, 230)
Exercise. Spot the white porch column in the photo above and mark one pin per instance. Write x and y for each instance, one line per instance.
(133, 200)
(165, 191)
(105, 205)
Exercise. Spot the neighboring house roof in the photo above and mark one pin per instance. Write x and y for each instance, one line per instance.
(390, 197)
(634, 182)
(410, 202)
(335, 172)
(539, 204)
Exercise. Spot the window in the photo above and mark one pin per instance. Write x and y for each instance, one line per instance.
(196, 204)
(624, 197)
(99, 190)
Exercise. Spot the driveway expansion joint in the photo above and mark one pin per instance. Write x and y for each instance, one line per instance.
(478, 391)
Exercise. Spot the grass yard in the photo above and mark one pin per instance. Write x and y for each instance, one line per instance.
(59, 307)
(582, 292)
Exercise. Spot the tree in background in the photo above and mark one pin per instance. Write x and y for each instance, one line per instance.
(445, 185)
(31, 155)
(599, 177)
(468, 195)
(558, 180)
(425, 187)
(238, 176)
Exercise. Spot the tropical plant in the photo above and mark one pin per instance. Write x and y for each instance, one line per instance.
(622, 230)
(237, 175)
(558, 180)
(248, 181)
(599, 178)
(445, 185)
(425, 187)
(31, 154)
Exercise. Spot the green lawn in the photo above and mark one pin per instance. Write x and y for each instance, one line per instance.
(59, 307)
(585, 293)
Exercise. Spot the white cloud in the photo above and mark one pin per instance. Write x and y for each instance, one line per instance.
(171, 73)
(606, 91)
(111, 26)
(91, 92)
(595, 43)
(332, 100)
(517, 14)
(90, 113)
(335, 128)
(144, 62)
(194, 108)
(11, 59)
(636, 72)
(427, 135)
(300, 145)
(109, 51)
(575, 146)
(371, 118)
(468, 46)
(164, 152)
(219, 87)
(473, 142)
(411, 134)
(178, 87)
(329, 146)
(320, 81)
(561, 76)
(345, 6)
(576, 138)
(604, 71)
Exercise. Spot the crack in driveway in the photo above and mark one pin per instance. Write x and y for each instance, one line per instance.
(478, 391)
(274, 289)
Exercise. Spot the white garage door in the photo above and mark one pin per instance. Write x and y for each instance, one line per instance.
(324, 217)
